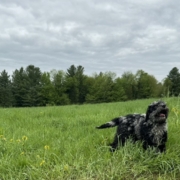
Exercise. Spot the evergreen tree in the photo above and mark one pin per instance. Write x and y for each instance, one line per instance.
(76, 84)
(71, 72)
(72, 85)
(27, 86)
(33, 96)
(19, 87)
(30, 87)
(5, 90)
(81, 84)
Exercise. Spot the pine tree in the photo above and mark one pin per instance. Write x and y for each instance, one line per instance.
(27, 86)
(19, 87)
(76, 84)
(33, 96)
(6, 98)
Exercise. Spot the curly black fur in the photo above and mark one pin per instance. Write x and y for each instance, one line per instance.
(150, 128)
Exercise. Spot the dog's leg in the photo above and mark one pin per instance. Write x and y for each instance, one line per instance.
(115, 143)
(145, 145)
(118, 141)
(162, 148)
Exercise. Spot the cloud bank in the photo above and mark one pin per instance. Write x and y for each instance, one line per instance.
(102, 35)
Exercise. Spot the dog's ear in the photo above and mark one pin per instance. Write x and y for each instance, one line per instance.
(148, 112)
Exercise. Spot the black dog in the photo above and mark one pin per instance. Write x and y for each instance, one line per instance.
(150, 128)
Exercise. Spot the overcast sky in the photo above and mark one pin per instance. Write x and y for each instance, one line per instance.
(100, 35)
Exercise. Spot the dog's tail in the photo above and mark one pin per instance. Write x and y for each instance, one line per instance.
(112, 123)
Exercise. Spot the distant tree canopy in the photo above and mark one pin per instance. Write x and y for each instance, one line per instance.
(30, 87)
(172, 82)
(6, 99)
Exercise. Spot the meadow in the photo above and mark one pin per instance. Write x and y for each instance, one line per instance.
(61, 142)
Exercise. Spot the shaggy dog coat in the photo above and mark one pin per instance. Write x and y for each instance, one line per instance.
(150, 128)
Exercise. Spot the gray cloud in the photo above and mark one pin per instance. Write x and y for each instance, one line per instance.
(100, 35)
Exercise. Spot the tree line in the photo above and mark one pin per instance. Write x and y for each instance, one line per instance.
(28, 87)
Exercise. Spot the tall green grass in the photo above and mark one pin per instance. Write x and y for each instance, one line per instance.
(62, 143)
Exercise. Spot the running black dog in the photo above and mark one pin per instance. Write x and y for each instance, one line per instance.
(150, 128)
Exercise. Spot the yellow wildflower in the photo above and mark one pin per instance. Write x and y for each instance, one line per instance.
(1, 136)
(22, 153)
(18, 140)
(24, 138)
(42, 163)
(175, 110)
(46, 147)
(66, 167)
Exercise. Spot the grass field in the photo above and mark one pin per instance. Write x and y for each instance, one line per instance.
(54, 143)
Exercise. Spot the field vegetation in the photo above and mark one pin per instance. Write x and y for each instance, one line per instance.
(61, 142)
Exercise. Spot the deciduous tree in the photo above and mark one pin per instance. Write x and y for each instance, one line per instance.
(174, 77)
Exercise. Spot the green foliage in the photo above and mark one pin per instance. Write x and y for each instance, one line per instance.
(5, 90)
(47, 90)
(172, 82)
(26, 86)
(76, 84)
(19, 87)
(119, 93)
(102, 88)
(147, 85)
(62, 143)
(129, 85)
(30, 87)
(33, 76)
(58, 80)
